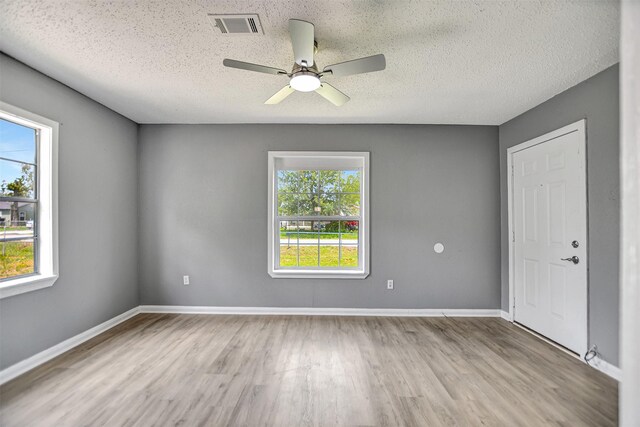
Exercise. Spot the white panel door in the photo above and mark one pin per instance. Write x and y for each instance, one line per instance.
(550, 239)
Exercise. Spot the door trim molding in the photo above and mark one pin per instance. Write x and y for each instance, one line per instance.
(580, 127)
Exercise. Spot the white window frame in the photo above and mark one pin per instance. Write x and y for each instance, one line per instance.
(47, 217)
(318, 158)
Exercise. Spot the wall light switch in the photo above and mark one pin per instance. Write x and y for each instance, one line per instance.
(185, 280)
(389, 284)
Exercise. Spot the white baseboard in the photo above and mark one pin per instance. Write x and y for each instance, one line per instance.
(506, 315)
(596, 363)
(606, 368)
(44, 356)
(321, 311)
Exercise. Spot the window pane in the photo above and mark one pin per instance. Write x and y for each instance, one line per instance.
(17, 219)
(308, 204)
(287, 204)
(17, 179)
(288, 243)
(16, 258)
(329, 181)
(327, 205)
(349, 248)
(288, 182)
(329, 243)
(308, 181)
(350, 204)
(350, 181)
(17, 142)
(309, 243)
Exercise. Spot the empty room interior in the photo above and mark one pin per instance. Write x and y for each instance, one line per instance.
(292, 213)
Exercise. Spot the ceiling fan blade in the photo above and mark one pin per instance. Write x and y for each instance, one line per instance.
(302, 34)
(332, 94)
(280, 95)
(232, 63)
(357, 66)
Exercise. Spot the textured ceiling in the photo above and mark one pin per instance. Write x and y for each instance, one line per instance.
(462, 62)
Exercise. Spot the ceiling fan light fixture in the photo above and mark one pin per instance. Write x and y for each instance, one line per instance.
(304, 75)
(305, 81)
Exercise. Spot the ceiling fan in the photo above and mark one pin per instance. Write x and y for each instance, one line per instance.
(305, 77)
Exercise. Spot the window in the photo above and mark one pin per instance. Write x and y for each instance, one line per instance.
(318, 214)
(28, 227)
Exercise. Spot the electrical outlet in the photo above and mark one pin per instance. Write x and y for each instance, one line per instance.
(389, 284)
(185, 280)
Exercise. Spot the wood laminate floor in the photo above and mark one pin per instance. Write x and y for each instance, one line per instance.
(216, 370)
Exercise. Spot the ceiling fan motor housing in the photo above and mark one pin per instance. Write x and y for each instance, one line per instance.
(299, 68)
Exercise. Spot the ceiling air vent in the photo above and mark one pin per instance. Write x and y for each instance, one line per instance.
(248, 24)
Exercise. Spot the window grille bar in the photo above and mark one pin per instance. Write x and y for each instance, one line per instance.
(28, 238)
(17, 199)
(319, 218)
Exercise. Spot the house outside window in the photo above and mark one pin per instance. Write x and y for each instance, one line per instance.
(28, 205)
(319, 214)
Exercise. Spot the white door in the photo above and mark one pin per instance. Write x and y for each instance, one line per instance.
(550, 236)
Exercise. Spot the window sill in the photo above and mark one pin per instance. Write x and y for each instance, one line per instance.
(318, 274)
(26, 284)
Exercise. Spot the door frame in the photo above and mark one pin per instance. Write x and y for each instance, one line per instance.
(580, 127)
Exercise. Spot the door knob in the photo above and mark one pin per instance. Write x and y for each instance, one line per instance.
(574, 259)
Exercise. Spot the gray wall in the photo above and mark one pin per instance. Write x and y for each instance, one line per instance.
(97, 218)
(203, 212)
(597, 100)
